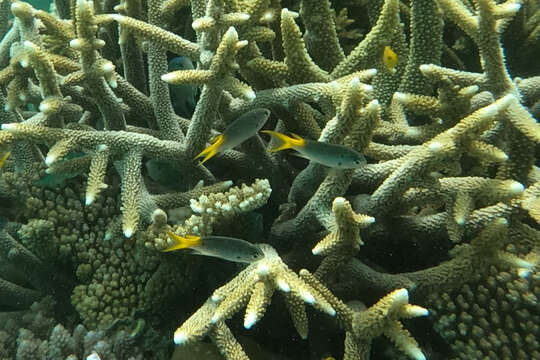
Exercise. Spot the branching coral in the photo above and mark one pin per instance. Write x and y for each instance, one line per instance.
(447, 202)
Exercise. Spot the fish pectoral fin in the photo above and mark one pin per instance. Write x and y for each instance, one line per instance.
(212, 149)
(300, 155)
(182, 242)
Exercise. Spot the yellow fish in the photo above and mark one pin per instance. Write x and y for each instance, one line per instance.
(331, 155)
(390, 58)
(4, 158)
(236, 133)
(222, 247)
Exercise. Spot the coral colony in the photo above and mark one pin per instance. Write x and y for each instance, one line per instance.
(132, 128)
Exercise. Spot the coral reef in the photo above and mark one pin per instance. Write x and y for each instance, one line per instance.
(444, 214)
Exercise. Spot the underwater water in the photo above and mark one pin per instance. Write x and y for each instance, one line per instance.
(269, 180)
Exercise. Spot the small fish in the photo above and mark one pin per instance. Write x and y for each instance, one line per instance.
(4, 158)
(183, 97)
(390, 58)
(331, 155)
(236, 133)
(222, 247)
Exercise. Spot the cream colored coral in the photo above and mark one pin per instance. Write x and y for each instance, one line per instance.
(383, 319)
(346, 230)
(253, 287)
(220, 206)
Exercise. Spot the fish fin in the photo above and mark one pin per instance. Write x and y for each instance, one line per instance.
(183, 242)
(390, 58)
(288, 142)
(300, 155)
(211, 150)
(4, 158)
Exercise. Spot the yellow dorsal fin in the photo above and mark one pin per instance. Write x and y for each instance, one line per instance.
(4, 158)
(182, 242)
(211, 150)
(288, 142)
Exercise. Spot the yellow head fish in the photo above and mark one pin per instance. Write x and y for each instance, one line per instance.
(390, 58)
(236, 133)
(4, 158)
(331, 155)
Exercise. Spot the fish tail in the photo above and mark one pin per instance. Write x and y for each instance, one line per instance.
(182, 242)
(288, 142)
(211, 150)
(4, 158)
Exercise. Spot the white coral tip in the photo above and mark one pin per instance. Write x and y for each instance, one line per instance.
(285, 12)
(367, 88)
(250, 94)
(250, 320)
(180, 338)
(107, 67)
(416, 311)
(399, 97)
(317, 250)
(283, 286)
(263, 269)
(197, 24)
(401, 295)
(215, 318)
(169, 77)
(373, 105)
(89, 199)
(128, 232)
(268, 16)
(93, 356)
(50, 159)
(435, 146)
(231, 31)
(371, 72)
(241, 44)
(10, 126)
(425, 67)
(44, 107)
(307, 297)
(415, 353)
(330, 310)
(76, 44)
(516, 188)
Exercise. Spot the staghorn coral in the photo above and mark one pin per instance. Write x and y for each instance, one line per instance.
(447, 202)
(36, 334)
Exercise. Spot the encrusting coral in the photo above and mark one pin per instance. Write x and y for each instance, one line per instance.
(101, 169)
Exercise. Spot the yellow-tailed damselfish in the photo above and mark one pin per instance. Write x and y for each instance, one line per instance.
(331, 155)
(236, 133)
(222, 247)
